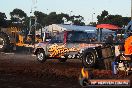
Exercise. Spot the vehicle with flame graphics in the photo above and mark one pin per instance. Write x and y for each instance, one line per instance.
(71, 45)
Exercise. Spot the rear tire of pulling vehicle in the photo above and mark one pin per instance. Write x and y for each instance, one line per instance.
(89, 59)
(4, 42)
(41, 57)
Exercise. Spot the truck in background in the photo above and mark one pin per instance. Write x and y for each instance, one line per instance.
(14, 36)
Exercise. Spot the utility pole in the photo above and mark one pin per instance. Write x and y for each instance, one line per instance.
(92, 17)
(70, 13)
(33, 9)
(35, 24)
(93, 13)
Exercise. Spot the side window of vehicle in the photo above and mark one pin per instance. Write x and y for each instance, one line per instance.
(69, 37)
(57, 39)
(92, 37)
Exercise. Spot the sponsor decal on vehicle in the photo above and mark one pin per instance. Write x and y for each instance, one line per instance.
(83, 45)
(59, 50)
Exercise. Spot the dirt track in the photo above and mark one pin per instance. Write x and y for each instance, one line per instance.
(24, 71)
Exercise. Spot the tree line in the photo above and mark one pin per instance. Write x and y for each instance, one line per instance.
(106, 18)
(18, 16)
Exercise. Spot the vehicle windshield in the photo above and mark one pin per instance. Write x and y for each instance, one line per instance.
(80, 36)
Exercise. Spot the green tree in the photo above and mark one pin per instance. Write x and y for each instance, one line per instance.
(77, 20)
(3, 18)
(125, 20)
(104, 14)
(101, 17)
(114, 19)
(18, 15)
(41, 18)
(54, 18)
(60, 18)
(93, 24)
(118, 20)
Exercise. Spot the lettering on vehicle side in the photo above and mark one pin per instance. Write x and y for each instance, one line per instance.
(83, 45)
(60, 50)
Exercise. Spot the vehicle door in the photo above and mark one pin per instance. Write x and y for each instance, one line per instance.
(56, 45)
(80, 40)
(73, 41)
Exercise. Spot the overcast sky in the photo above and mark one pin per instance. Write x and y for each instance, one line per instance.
(84, 8)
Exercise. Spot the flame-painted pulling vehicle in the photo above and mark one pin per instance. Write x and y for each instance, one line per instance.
(73, 45)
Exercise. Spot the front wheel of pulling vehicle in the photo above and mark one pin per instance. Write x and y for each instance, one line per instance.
(89, 58)
(41, 57)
